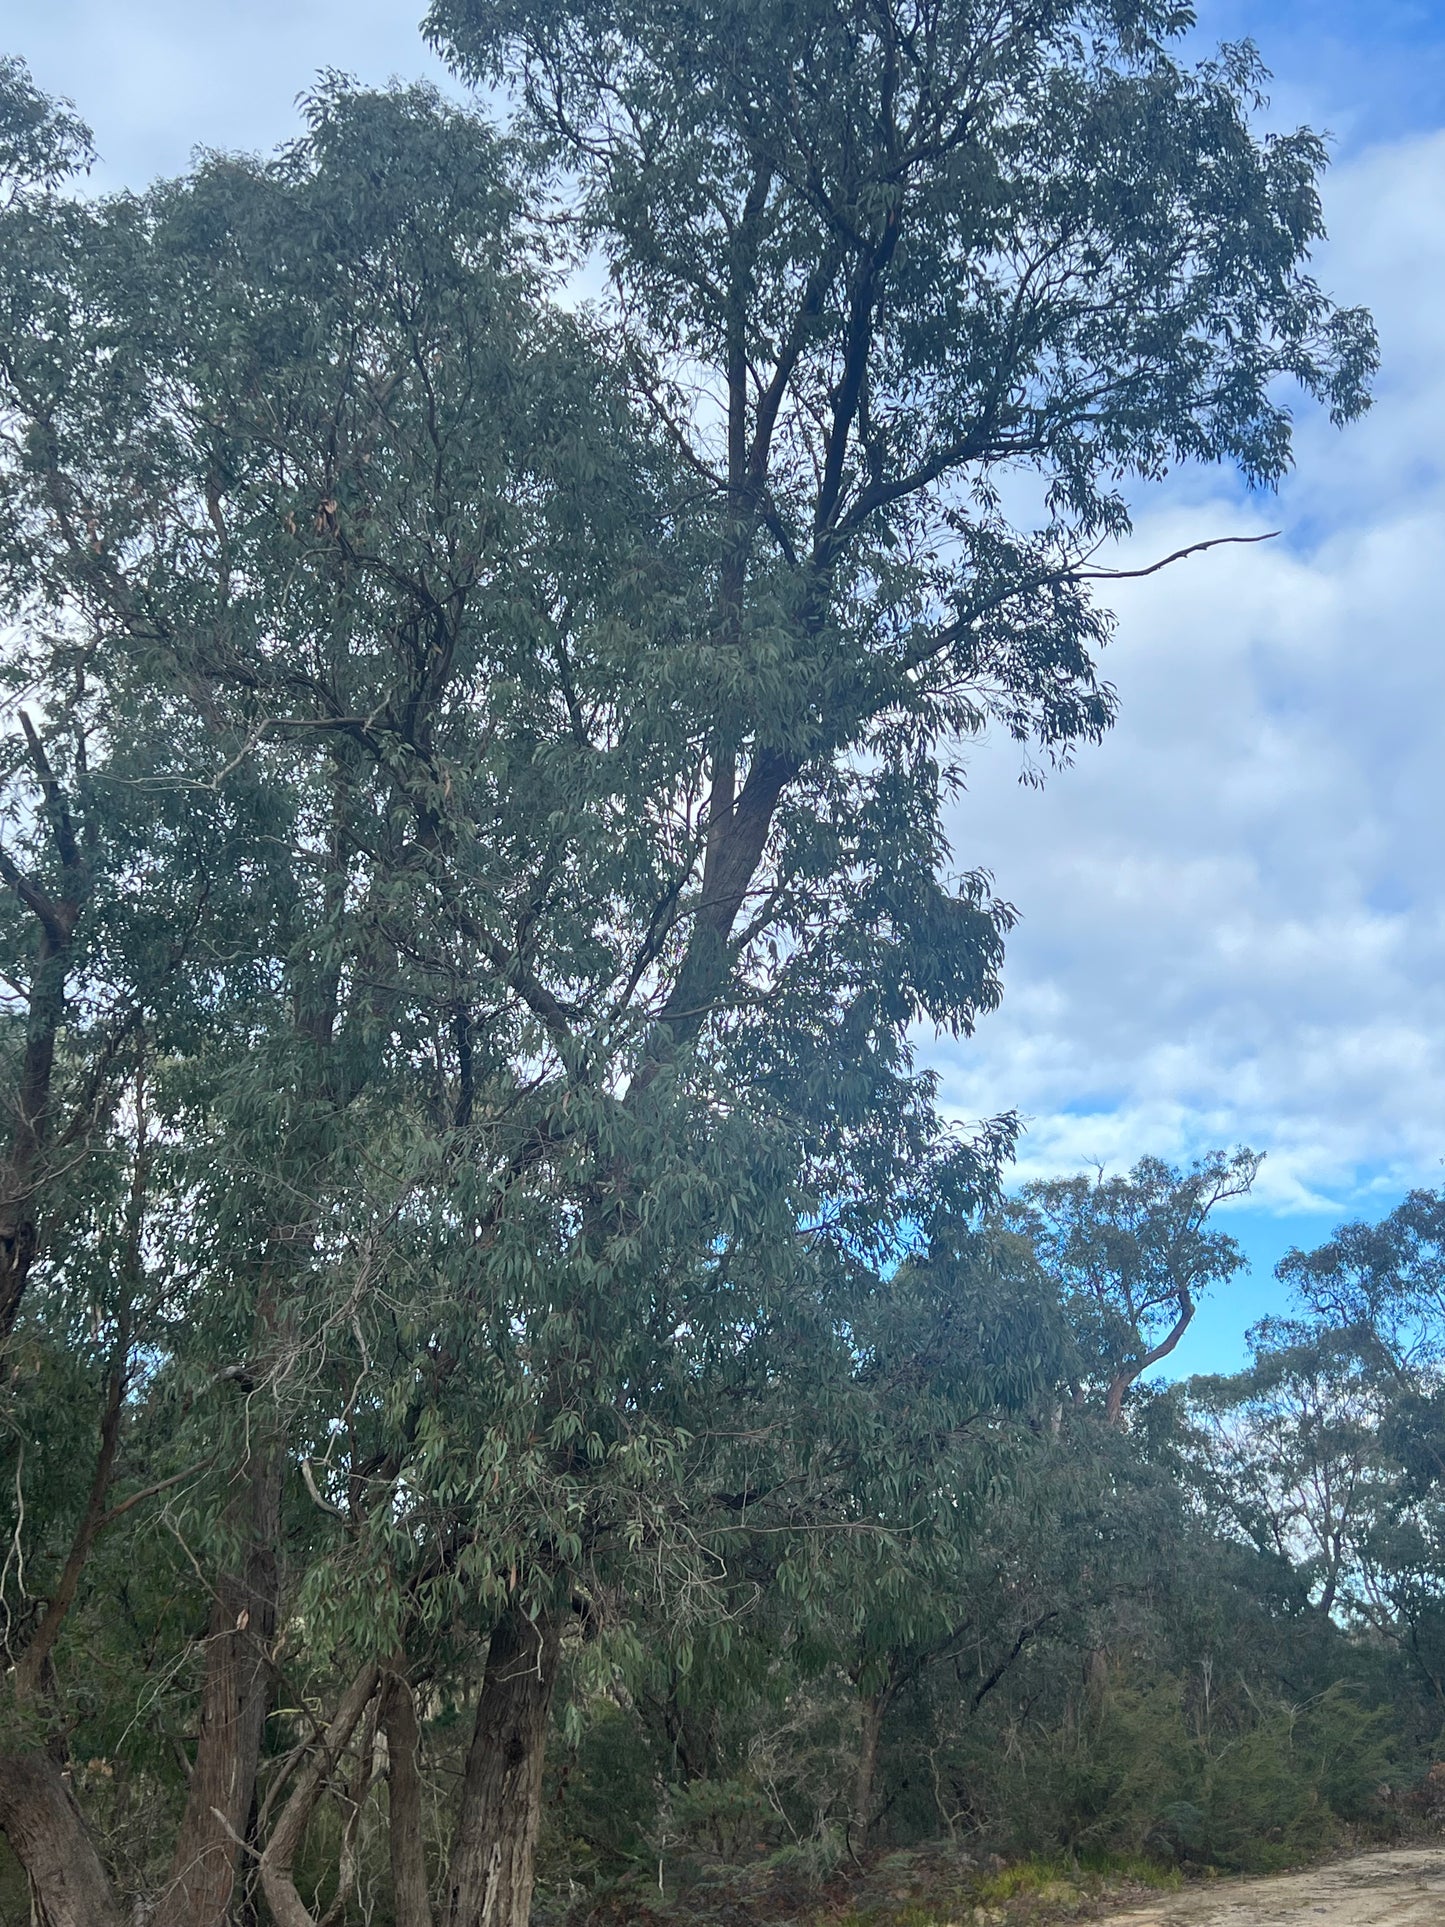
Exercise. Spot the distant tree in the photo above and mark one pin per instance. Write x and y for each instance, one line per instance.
(1382, 1286)
(1374, 1295)
(1291, 1450)
(1132, 1256)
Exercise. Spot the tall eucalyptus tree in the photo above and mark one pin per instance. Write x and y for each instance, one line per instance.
(567, 706)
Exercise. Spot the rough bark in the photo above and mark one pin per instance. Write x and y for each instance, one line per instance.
(411, 1903)
(489, 1880)
(235, 1700)
(38, 1816)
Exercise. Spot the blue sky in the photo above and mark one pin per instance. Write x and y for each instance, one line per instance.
(1233, 910)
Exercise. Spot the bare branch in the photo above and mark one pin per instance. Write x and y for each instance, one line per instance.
(1194, 548)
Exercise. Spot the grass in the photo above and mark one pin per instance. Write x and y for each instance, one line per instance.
(1026, 1890)
(1060, 1879)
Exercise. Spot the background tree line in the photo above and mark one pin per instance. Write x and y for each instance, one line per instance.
(502, 1350)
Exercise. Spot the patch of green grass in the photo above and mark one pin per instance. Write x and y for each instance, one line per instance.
(1023, 1877)
(1059, 1880)
(1057, 1886)
(1133, 1866)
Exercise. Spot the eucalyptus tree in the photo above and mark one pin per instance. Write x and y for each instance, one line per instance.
(573, 702)
(367, 564)
(1291, 1453)
(1374, 1295)
(1133, 1255)
(139, 414)
(1382, 1286)
(862, 1539)
(959, 1365)
(90, 938)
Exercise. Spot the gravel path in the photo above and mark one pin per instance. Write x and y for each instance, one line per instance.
(1405, 1888)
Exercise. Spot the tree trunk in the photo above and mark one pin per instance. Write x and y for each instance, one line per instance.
(39, 1818)
(872, 1707)
(235, 1700)
(489, 1880)
(411, 1905)
(287, 1907)
(691, 1752)
(236, 1697)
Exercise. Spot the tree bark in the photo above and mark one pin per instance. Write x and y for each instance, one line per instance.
(411, 1903)
(235, 1700)
(489, 1880)
(872, 1707)
(38, 1816)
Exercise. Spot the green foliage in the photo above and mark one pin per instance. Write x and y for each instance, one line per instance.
(602, 1800)
(494, 760)
(41, 140)
(1133, 1255)
(1271, 1789)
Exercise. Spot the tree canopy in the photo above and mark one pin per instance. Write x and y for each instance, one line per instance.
(481, 1252)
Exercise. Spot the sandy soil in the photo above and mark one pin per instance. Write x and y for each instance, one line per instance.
(1404, 1888)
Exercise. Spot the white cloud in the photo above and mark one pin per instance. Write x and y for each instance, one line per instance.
(157, 78)
(1234, 909)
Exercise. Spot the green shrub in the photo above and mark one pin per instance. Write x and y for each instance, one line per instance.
(1266, 1784)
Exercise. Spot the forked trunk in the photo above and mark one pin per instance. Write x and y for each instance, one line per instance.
(40, 1820)
(489, 1881)
(235, 1700)
(278, 1862)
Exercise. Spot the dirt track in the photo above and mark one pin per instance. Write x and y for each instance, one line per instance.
(1405, 1888)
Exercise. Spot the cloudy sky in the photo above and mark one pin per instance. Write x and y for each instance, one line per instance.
(1234, 909)
(1233, 913)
